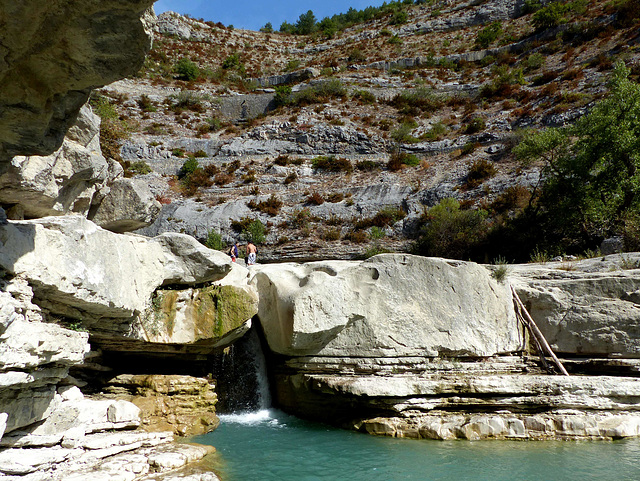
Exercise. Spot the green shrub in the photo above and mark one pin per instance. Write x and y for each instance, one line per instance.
(189, 167)
(320, 93)
(357, 55)
(270, 206)
(534, 61)
(113, 130)
(399, 160)
(489, 34)
(282, 95)
(437, 132)
(480, 170)
(356, 236)
(231, 62)
(292, 65)
(140, 167)
(186, 99)
(300, 218)
(399, 17)
(477, 124)
(145, 104)
(214, 124)
(214, 241)
(384, 218)
(290, 178)
(364, 96)
(449, 231)
(549, 16)
(531, 6)
(500, 270)
(403, 133)
(332, 164)
(187, 70)
(251, 229)
(367, 165)
(415, 101)
(468, 148)
(315, 199)
(255, 232)
(332, 234)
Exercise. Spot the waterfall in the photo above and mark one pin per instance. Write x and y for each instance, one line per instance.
(241, 374)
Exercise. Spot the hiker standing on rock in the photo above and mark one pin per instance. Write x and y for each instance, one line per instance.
(233, 252)
(251, 253)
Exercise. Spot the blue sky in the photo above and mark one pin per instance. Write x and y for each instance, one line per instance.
(253, 14)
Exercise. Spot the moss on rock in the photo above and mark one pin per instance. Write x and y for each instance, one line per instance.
(219, 310)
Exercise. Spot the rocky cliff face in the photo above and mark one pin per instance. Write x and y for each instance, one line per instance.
(418, 106)
(53, 55)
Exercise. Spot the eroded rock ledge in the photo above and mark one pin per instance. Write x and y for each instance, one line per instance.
(428, 348)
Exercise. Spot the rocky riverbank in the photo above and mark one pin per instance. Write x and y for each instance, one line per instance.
(396, 345)
(108, 338)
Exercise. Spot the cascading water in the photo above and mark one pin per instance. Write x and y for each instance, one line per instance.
(241, 373)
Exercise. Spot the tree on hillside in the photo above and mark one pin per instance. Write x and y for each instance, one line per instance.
(591, 173)
(306, 23)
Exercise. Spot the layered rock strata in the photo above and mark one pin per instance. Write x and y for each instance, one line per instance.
(370, 346)
(184, 405)
(64, 282)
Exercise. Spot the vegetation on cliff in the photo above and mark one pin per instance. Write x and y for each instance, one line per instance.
(409, 105)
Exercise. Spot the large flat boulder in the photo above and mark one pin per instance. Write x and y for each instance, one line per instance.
(81, 271)
(390, 305)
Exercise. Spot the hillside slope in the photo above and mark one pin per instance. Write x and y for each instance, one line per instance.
(339, 145)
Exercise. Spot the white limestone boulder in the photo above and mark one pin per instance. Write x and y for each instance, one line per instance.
(389, 305)
(127, 205)
(589, 307)
(186, 261)
(62, 182)
(82, 271)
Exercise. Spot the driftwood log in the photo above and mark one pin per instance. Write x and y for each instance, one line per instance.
(541, 343)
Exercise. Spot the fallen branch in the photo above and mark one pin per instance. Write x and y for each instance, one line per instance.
(541, 342)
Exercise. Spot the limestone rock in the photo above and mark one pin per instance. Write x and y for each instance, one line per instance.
(53, 56)
(189, 262)
(77, 268)
(129, 205)
(27, 406)
(62, 182)
(446, 426)
(26, 345)
(582, 310)
(3, 423)
(389, 305)
(212, 317)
